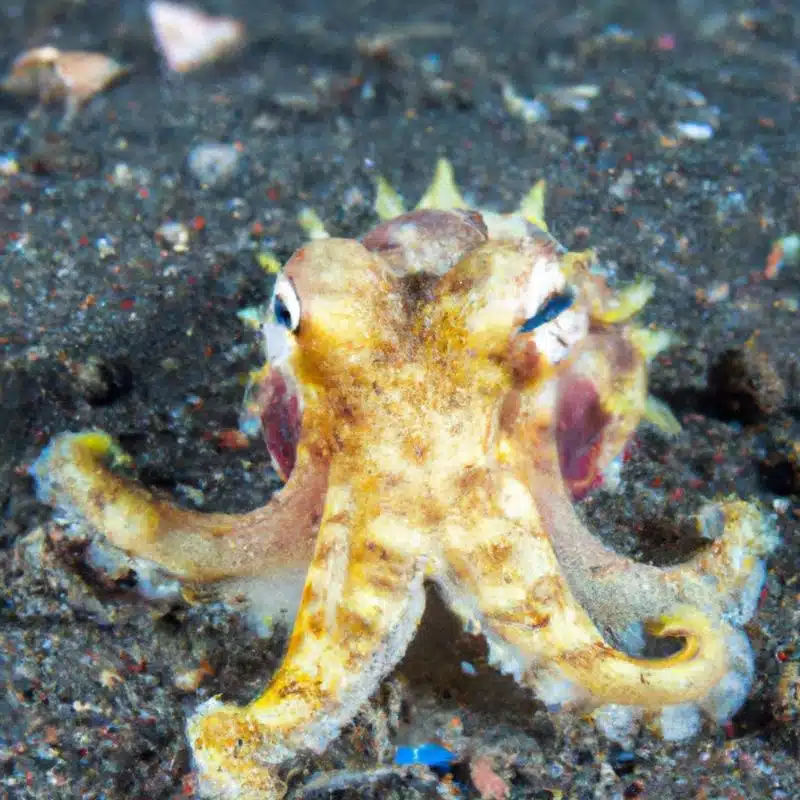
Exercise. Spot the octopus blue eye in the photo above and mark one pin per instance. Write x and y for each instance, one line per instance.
(282, 314)
(554, 306)
(286, 305)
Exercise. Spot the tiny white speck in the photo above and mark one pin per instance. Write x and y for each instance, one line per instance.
(696, 131)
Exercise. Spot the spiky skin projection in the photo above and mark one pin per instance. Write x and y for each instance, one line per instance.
(437, 395)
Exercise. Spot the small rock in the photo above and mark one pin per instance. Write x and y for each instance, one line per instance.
(572, 98)
(530, 110)
(105, 247)
(695, 131)
(110, 678)
(175, 235)
(622, 188)
(8, 165)
(213, 163)
(189, 38)
(785, 252)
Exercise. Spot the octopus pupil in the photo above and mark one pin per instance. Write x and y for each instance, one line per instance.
(549, 311)
(282, 314)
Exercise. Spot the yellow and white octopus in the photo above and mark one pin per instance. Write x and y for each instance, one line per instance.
(437, 395)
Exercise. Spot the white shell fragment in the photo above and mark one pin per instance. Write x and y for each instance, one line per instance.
(695, 131)
(574, 98)
(213, 163)
(174, 235)
(530, 110)
(189, 38)
(538, 109)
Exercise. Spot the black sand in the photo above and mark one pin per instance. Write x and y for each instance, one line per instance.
(144, 342)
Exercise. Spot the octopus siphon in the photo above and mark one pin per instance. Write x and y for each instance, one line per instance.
(437, 395)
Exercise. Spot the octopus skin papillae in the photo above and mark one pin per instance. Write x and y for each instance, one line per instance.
(437, 396)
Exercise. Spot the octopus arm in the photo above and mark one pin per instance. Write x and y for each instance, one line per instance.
(361, 604)
(538, 629)
(710, 595)
(724, 578)
(74, 475)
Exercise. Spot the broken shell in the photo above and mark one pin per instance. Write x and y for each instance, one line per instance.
(695, 131)
(86, 74)
(30, 69)
(189, 38)
(51, 74)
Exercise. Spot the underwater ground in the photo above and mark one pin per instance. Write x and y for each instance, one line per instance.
(668, 135)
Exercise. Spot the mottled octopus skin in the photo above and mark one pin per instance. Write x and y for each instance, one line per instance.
(441, 444)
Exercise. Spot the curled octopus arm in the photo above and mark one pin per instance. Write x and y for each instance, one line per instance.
(539, 630)
(709, 596)
(75, 475)
(593, 417)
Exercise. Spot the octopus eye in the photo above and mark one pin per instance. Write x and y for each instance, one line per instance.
(552, 307)
(286, 305)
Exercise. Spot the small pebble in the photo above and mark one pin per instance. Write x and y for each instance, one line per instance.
(785, 252)
(122, 175)
(781, 505)
(105, 247)
(718, 292)
(175, 235)
(695, 98)
(189, 38)
(213, 163)
(695, 131)
(111, 678)
(622, 188)
(8, 165)
(530, 110)
(572, 98)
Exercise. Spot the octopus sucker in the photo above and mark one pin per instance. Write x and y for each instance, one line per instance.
(437, 396)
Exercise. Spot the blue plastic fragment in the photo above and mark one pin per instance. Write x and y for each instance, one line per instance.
(431, 755)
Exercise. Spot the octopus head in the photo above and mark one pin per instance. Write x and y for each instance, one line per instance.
(515, 320)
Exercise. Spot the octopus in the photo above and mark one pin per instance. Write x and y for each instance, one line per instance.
(437, 396)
